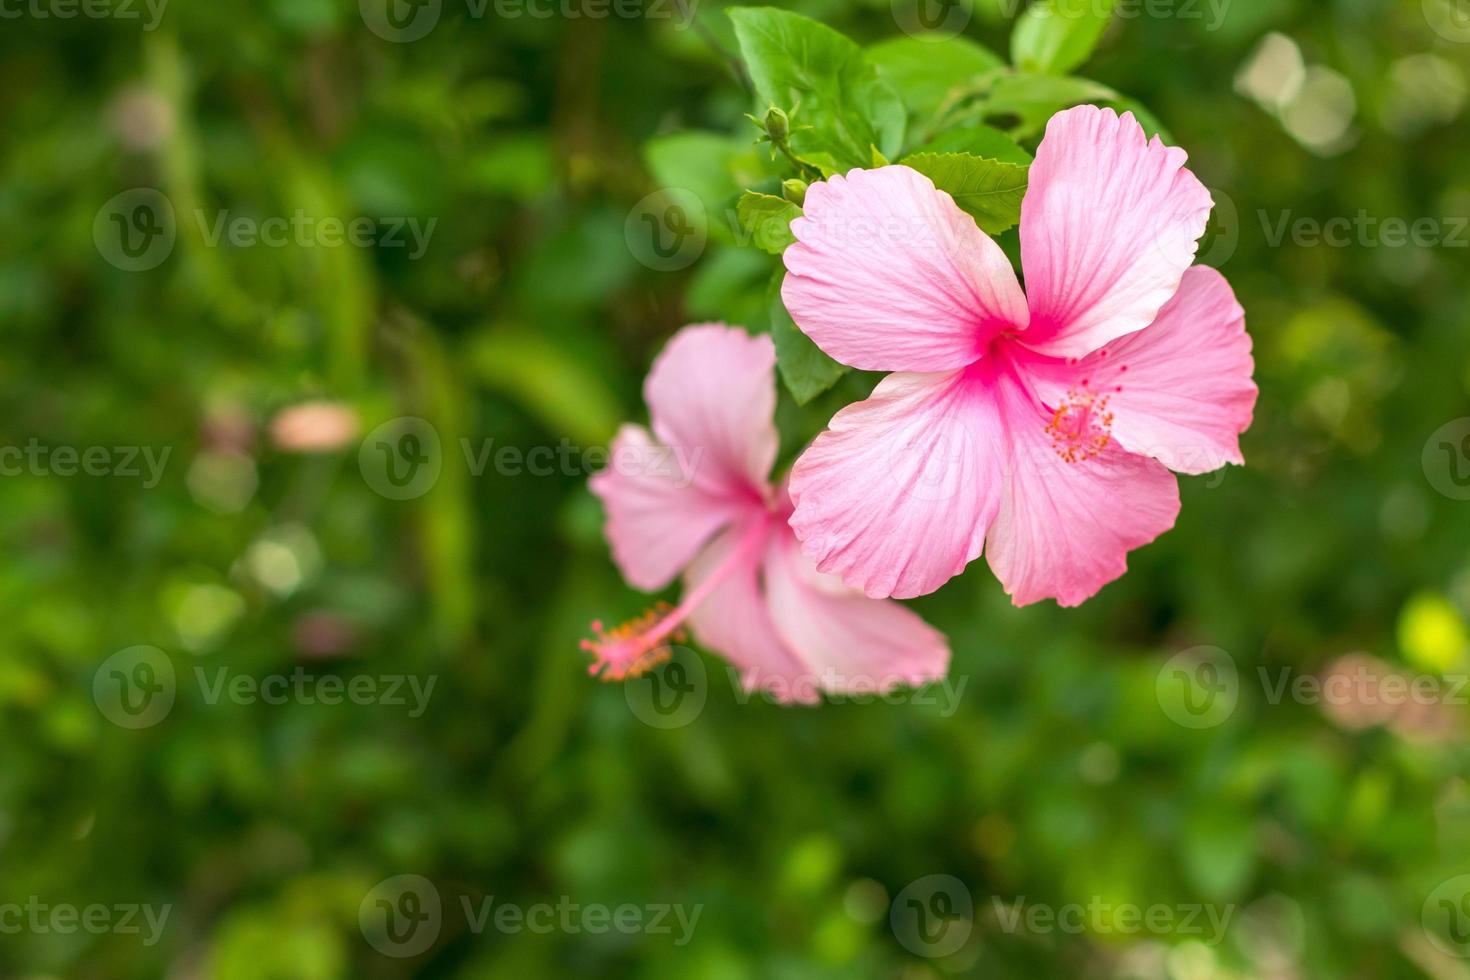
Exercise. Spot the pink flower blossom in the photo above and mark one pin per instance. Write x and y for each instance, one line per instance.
(1040, 426)
(314, 427)
(694, 496)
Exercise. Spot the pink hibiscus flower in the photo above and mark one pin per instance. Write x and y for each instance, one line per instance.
(1040, 426)
(695, 497)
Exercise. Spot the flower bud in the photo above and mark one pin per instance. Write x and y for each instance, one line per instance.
(794, 191)
(778, 126)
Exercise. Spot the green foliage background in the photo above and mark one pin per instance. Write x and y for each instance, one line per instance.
(529, 320)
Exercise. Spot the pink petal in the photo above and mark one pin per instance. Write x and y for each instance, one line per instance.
(734, 619)
(896, 495)
(1109, 224)
(712, 394)
(846, 642)
(888, 274)
(1065, 528)
(657, 517)
(1180, 390)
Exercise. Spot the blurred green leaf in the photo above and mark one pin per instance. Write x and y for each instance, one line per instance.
(1055, 36)
(804, 367)
(702, 163)
(566, 395)
(926, 71)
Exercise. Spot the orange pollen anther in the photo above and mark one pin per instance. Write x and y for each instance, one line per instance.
(1081, 426)
(642, 643)
(635, 647)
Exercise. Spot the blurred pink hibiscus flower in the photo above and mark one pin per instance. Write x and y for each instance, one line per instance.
(1038, 426)
(695, 496)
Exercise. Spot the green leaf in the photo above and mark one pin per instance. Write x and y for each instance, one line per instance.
(542, 376)
(768, 220)
(1022, 103)
(1055, 36)
(925, 71)
(990, 190)
(982, 141)
(697, 161)
(843, 108)
(806, 370)
(729, 285)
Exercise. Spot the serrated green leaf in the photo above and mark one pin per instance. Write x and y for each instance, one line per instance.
(843, 108)
(989, 190)
(982, 141)
(805, 369)
(768, 220)
(926, 70)
(1055, 36)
